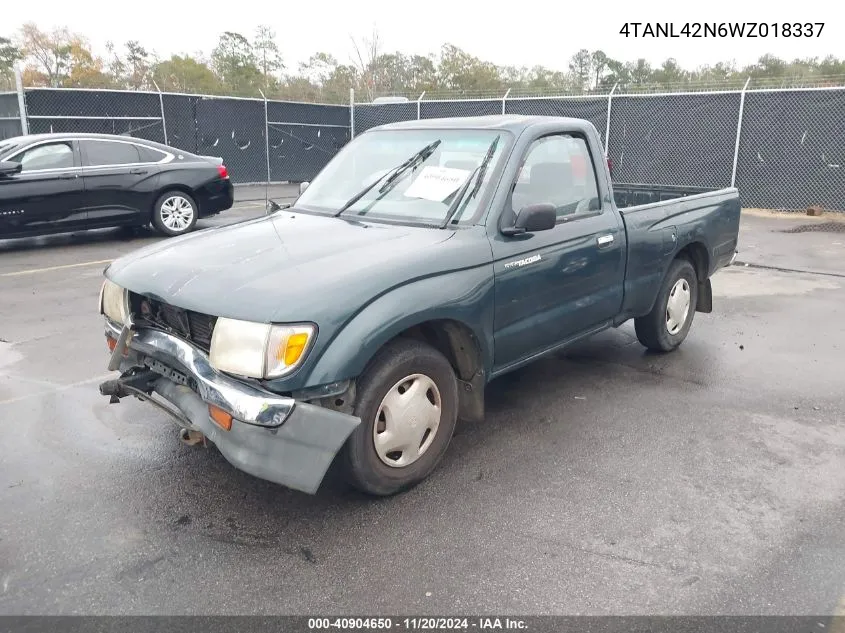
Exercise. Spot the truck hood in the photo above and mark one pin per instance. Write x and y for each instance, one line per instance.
(282, 268)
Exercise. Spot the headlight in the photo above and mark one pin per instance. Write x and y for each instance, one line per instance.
(114, 302)
(258, 350)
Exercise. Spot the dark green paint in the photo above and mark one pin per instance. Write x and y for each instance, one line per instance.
(364, 282)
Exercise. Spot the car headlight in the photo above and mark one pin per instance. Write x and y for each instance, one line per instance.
(259, 350)
(114, 302)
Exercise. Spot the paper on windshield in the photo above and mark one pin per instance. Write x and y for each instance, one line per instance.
(436, 183)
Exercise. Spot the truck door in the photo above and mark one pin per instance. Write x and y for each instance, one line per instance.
(553, 285)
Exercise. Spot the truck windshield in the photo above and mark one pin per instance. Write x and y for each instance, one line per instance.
(421, 194)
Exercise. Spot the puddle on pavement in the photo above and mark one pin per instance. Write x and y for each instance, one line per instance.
(747, 282)
(8, 354)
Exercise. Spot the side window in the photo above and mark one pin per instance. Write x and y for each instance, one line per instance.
(558, 169)
(150, 155)
(101, 153)
(48, 156)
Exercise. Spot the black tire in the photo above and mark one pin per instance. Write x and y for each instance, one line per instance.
(653, 330)
(363, 466)
(160, 221)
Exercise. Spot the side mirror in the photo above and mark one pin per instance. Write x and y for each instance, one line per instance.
(532, 218)
(303, 186)
(272, 206)
(8, 168)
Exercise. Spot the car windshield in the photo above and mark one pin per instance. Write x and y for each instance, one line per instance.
(6, 147)
(419, 195)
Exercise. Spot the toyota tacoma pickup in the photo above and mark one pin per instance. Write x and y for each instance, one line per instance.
(362, 321)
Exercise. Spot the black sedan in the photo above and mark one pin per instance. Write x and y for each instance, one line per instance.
(54, 183)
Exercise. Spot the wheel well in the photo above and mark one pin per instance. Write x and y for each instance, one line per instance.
(460, 346)
(697, 255)
(454, 340)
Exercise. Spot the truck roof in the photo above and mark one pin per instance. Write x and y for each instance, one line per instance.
(515, 123)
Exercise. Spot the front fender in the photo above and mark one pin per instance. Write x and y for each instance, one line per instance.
(465, 296)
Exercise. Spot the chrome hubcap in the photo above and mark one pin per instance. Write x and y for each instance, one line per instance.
(677, 308)
(177, 213)
(407, 421)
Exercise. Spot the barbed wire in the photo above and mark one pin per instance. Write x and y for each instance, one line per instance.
(535, 92)
(320, 96)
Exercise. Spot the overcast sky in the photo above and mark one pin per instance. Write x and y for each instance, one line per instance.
(526, 32)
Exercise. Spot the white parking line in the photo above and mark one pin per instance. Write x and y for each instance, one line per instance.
(33, 271)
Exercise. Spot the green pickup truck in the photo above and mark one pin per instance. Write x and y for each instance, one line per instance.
(361, 322)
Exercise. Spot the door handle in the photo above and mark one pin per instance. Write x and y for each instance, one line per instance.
(138, 171)
(605, 240)
(68, 176)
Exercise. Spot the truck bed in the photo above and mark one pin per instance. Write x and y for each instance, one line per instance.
(707, 221)
(626, 194)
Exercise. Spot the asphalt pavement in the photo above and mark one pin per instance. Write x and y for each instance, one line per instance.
(605, 480)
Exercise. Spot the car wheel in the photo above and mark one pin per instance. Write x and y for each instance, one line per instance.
(669, 322)
(408, 404)
(175, 213)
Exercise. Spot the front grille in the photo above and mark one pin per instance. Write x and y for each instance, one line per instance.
(191, 326)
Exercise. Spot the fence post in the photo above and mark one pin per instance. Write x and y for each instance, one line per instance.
(21, 102)
(607, 129)
(418, 104)
(739, 130)
(505, 99)
(161, 105)
(351, 113)
(266, 151)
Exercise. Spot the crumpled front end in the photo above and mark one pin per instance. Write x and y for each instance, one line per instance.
(269, 436)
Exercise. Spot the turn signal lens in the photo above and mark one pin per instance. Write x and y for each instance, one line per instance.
(286, 348)
(295, 347)
(112, 343)
(220, 417)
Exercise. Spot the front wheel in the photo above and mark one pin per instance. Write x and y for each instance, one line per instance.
(408, 404)
(667, 325)
(174, 213)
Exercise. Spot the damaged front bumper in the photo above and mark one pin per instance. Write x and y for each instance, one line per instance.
(272, 437)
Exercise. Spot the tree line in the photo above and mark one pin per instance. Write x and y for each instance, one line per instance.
(248, 65)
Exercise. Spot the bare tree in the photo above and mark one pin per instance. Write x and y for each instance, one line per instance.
(268, 55)
(49, 50)
(366, 62)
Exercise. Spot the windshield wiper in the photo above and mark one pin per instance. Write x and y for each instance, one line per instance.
(397, 171)
(478, 174)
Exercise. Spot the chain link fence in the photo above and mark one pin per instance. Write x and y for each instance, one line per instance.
(684, 140)
(783, 148)
(791, 150)
(261, 141)
(10, 116)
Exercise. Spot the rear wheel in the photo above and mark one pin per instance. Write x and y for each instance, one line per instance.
(175, 213)
(667, 325)
(408, 404)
